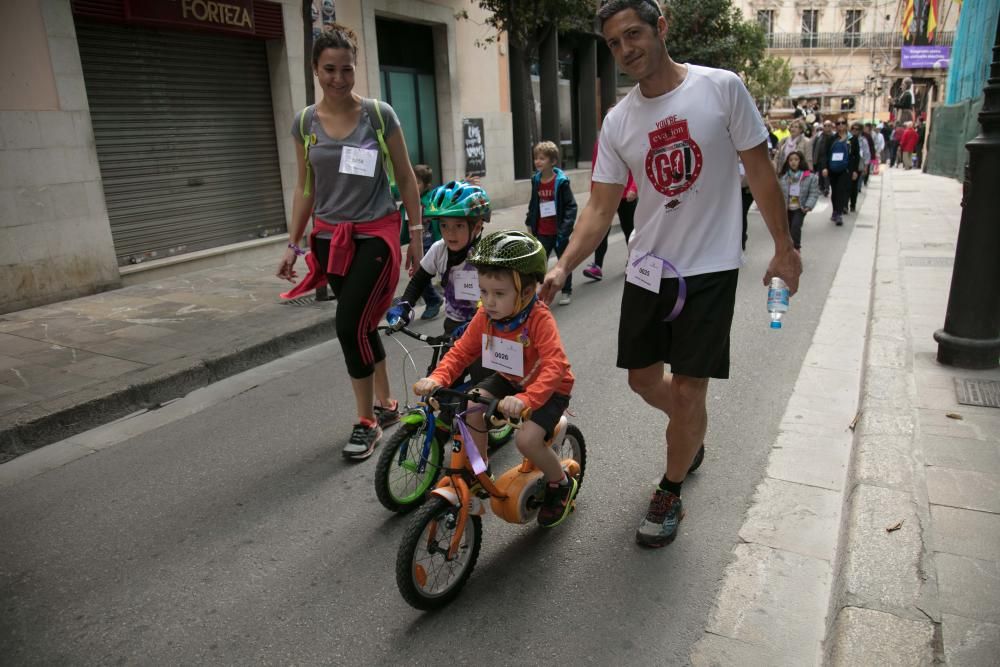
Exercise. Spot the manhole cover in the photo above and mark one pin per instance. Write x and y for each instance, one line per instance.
(984, 393)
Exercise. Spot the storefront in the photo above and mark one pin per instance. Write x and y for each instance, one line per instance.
(181, 107)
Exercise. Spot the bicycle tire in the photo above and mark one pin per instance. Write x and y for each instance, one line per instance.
(440, 511)
(577, 451)
(387, 470)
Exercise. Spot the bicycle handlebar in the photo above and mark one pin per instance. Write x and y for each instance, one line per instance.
(424, 338)
(491, 406)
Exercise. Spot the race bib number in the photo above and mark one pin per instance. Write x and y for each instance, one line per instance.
(548, 209)
(836, 157)
(466, 285)
(645, 274)
(793, 190)
(506, 356)
(358, 161)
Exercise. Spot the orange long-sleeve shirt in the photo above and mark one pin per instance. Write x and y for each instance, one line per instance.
(546, 368)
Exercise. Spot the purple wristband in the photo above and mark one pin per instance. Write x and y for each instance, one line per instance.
(299, 252)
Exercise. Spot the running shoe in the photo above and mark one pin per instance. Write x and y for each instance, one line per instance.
(593, 272)
(663, 517)
(566, 299)
(558, 503)
(431, 312)
(364, 437)
(387, 416)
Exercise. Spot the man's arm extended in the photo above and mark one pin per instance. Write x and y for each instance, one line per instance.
(786, 263)
(593, 224)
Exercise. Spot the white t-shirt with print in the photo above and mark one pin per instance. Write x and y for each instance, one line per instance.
(682, 150)
(435, 262)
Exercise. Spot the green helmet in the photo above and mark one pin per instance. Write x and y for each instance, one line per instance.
(458, 199)
(515, 250)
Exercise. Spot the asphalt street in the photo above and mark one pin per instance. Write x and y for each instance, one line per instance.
(226, 528)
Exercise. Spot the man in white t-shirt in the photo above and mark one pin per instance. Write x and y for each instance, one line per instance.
(680, 131)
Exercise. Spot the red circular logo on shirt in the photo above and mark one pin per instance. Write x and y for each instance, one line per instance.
(674, 160)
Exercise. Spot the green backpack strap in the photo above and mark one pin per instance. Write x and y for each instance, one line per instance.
(380, 135)
(306, 143)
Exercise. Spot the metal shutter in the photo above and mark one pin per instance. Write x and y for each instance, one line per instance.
(185, 138)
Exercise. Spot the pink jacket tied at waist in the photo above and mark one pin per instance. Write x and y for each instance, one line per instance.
(342, 255)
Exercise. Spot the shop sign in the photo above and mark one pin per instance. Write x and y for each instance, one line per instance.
(475, 147)
(224, 15)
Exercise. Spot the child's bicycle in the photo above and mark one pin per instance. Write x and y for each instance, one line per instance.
(411, 462)
(441, 544)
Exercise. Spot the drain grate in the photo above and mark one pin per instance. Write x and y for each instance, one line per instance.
(984, 393)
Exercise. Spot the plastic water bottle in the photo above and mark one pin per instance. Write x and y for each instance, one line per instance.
(777, 301)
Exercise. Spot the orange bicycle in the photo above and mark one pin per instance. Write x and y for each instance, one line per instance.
(442, 542)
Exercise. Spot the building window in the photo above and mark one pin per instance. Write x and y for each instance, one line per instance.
(852, 27)
(765, 19)
(810, 19)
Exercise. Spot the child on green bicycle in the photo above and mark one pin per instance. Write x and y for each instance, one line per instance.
(515, 335)
(460, 209)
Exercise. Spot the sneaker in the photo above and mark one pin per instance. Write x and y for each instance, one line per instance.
(387, 416)
(839, 221)
(364, 438)
(566, 299)
(593, 272)
(431, 312)
(558, 503)
(664, 515)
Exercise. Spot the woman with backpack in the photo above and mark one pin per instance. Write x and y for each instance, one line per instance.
(801, 192)
(837, 171)
(346, 146)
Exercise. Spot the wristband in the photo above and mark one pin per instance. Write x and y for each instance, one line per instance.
(416, 228)
(299, 252)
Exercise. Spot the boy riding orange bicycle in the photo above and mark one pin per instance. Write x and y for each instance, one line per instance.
(515, 334)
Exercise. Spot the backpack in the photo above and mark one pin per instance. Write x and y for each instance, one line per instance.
(840, 148)
(371, 106)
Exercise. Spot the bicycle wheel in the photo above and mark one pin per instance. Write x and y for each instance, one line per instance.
(426, 579)
(400, 484)
(573, 447)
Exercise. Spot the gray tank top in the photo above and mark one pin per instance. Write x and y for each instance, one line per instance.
(348, 197)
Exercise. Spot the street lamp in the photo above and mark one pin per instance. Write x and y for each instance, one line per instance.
(971, 334)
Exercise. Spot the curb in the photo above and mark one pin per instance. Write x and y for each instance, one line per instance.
(52, 420)
(885, 608)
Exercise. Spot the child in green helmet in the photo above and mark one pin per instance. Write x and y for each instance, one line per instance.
(515, 335)
(459, 209)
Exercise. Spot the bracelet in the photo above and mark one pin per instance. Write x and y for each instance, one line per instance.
(416, 228)
(299, 252)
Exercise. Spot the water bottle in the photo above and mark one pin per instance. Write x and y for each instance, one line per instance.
(777, 301)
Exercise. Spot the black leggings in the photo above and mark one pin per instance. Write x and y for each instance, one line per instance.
(626, 218)
(357, 293)
(840, 183)
(747, 198)
(795, 219)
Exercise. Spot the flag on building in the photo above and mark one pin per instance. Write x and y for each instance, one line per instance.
(907, 19)
(932, 20)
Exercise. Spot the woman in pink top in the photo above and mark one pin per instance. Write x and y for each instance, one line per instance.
(626, 218)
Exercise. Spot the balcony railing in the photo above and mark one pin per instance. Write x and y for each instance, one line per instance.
(846, 40)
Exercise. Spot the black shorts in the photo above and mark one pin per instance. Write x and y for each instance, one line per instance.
(546, 416)
(696, 344)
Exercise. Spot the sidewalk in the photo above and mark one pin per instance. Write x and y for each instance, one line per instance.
(70, 366)
(874, 538)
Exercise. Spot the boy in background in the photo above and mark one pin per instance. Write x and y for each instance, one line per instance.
(552, 210)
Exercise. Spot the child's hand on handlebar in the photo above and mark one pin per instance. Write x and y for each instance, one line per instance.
(425, 387)
(512, 407)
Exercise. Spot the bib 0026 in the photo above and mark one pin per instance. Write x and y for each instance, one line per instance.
(506, 356)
